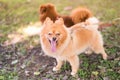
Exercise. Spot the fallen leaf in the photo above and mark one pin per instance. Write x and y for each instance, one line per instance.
(14, 62)
(36, 73)
(23, 66)
(95, 73)
(27, 73)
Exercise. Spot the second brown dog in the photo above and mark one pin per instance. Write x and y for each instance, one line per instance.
(77, 15)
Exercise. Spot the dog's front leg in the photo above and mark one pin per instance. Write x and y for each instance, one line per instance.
(74, 62)
(58, 66)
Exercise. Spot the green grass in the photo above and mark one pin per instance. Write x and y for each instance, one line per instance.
(6, 75)
(15, 14)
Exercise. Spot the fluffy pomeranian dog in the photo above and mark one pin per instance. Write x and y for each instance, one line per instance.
(65, 44)
(77, 15)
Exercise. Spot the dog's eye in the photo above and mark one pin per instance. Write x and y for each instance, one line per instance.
(58, 34)
(49, 33)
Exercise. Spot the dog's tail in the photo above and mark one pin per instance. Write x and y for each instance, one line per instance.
(101, 25)
(95, 21)
(80, 14)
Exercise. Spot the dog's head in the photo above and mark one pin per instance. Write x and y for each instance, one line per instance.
(54, 33)
(46, 7)
(47, 10)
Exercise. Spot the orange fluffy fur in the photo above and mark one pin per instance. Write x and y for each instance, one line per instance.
(77, 15)
(70, 42)
(80, 14)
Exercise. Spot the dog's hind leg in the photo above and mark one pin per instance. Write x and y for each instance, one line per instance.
(97, 47)
(101, 51)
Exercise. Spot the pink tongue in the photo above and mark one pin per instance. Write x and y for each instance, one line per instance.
(53, 46)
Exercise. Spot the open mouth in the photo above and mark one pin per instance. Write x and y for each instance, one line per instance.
(53, 44)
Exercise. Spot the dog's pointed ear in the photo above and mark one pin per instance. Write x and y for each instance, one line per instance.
(60, 21)
(48, 21)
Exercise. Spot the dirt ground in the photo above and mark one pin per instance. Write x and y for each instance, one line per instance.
(35, 65)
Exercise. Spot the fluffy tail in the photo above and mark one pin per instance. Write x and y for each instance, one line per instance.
(80, 14)
(93, 21)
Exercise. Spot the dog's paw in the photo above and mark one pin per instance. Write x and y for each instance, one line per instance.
(88, 52)
(55, 69)
(105, 56)
(73, 74)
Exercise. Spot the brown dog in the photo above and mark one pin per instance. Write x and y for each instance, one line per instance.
(65, 44)
(77, 15)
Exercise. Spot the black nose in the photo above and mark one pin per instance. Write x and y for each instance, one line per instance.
(54, 38)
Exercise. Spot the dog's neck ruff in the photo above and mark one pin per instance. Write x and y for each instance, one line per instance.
(67, 41)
